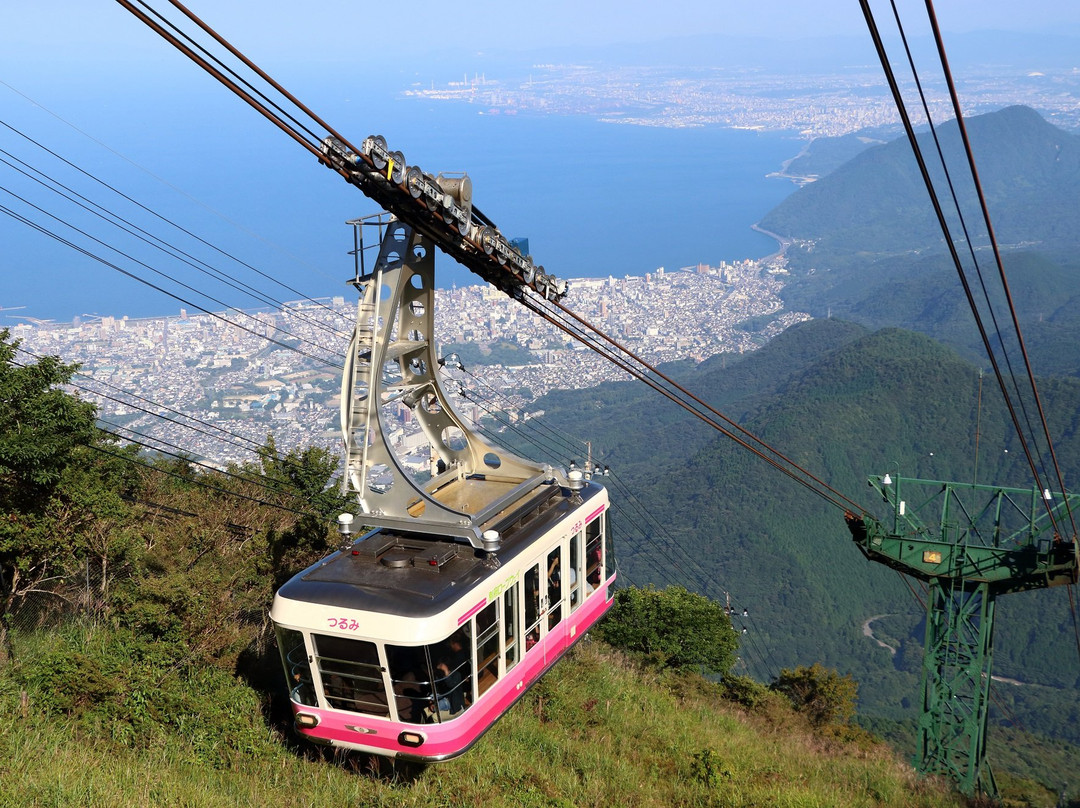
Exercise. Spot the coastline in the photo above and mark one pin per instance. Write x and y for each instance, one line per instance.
(783, 242)
(799, 179)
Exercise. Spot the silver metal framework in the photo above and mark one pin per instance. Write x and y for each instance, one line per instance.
(392, 361)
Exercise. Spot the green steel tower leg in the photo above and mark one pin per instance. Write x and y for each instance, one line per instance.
(970, 544)
(956, 685)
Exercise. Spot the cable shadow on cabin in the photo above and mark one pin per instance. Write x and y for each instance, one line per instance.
(260, 669)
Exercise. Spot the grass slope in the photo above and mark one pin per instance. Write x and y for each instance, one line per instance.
(596, 731)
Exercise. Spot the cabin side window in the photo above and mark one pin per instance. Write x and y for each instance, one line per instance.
(432, 683)
(594, 554)
(573, 571)
(510, 627)
(554, 584)
(487, 647)
(294, 657)
(451, 662)
(532, 606)
(351, 675)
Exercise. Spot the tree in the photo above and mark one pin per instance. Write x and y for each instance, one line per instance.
(672, 628)
(41, 431)
(820, 693)
(40, 426)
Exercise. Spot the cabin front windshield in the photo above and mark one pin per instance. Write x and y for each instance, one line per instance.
(351, 675)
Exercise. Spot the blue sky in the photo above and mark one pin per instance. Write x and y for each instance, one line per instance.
(58, 29)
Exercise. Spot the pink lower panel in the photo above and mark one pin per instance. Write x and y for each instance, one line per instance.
(450, 738)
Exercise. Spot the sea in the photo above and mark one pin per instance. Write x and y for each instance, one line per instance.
(188, 200)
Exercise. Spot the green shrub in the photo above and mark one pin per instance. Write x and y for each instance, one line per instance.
(706, 768)
(672, 628)
(744, 690)
(820, 693)
(69, 682)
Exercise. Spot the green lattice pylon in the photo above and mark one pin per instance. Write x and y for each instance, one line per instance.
(984, 541)
(957, 658)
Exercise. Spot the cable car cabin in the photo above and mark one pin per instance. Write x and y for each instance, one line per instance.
(412, 645)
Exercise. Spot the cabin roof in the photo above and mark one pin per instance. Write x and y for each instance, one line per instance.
(419, 575)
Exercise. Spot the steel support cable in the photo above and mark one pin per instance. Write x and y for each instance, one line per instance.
(700, 415)
(261, 481)
(165, 220)
(255, 104)
(775, 452)
(160, 273)
(363, 175)
(258, 71)
(284, 115)
(45, 231)
(792, 469)
(697, 573)
(166, 183)
(552, 451)
(159, 244)
(645, 537)
(254, 446)
(624, 490)
(971, 251)
(154, 414)
(184, 454)
(939, 213)
(901, 108)
(129, 429)
(568, 445)
(269, 80)
(954, 97)
(494, 414)
(997, 330)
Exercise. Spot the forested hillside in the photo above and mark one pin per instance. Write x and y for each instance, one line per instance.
(844, 402)
(876, 202)
(869, 248)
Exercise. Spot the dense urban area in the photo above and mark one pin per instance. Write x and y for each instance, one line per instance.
(214, 386)
(813, 105)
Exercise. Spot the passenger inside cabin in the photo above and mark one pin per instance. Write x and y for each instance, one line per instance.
(448, 689)
(593, 578)
(452, 677)
(554, 589)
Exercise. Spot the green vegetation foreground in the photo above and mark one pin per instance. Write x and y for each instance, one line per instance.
(599, 730)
